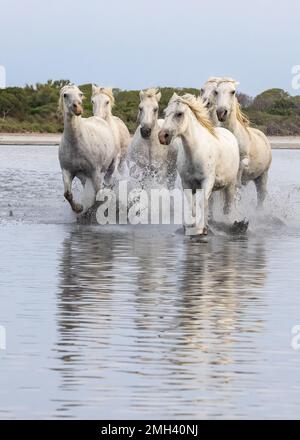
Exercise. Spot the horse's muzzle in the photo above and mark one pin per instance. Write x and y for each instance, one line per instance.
(145, 132)
(164, 137)
(77, 109)
(222, 114)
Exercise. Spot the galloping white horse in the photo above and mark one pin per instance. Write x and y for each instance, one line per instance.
(103, 100)
(207, 93)
(87, 148)
(145, 151)
(209, 159)
(255, 149)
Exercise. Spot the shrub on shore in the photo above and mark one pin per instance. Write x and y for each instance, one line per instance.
(34, 108)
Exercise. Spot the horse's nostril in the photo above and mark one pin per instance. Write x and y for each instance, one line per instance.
(166, 135)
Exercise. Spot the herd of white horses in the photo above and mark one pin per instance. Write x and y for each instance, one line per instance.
(206, 139)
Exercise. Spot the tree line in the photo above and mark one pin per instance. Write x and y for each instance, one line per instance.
(33, 108)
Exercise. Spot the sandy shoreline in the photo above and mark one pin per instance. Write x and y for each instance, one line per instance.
(278, 142)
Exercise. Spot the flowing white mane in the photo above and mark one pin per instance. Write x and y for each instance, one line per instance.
(213, 79)
(198, 108)
(149, 93)
(228, 80)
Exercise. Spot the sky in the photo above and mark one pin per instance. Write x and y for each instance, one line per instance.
(134, 44)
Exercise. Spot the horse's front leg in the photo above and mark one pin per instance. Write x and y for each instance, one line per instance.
(68, 179)
(261, 188)
(207, 186)
(229, 193)
(97, 181)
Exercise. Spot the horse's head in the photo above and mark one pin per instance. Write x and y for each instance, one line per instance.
(175, 122)
(225, 95)
(70, 100)
(207, 92)
(148, 111)
(102, 100)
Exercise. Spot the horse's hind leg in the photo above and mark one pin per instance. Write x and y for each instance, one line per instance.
(229, 193)
(261, 188)
(211, 204)
(68, 179)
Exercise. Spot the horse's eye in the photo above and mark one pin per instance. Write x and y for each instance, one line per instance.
(216, 92)
(233, 92)
(107, 102)
(93, 101)
(179, 114)
(140, 109)
(65, 95)
(155, 110)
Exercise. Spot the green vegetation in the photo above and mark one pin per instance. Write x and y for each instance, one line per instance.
(34, 108)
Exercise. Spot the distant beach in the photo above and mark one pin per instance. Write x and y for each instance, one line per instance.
(278, 142)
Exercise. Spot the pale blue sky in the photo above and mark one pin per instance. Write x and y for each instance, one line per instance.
(133, 44)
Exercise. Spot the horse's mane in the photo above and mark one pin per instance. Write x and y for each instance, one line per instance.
(198, 108)
(150, 93)
(213, 79)
(106, 91)
(227, 79)
(60, 108)
(241, 117)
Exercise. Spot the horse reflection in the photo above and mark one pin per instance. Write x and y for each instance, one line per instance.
(84, 302)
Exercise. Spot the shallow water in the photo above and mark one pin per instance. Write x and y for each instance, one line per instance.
(125, 321)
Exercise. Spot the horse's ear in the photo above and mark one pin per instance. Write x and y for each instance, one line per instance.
(174, 96)
(201, 92)
(94, 88)
(158, 96)
(236, 83)
(142, 94)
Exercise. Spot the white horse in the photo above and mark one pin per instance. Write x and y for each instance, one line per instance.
(255, 148)
(207, 93)
(103, 100)
(87, 148)
(146, 154)
(209, 159)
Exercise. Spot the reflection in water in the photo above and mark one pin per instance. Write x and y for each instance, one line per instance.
(136, 322)
(148, 320)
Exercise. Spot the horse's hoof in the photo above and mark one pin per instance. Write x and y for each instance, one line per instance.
(195, 231)
(239, 227)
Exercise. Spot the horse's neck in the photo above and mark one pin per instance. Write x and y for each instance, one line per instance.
(110, 118)
(111, 121)
(194, 140)
(154, 147)
(72, 129)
